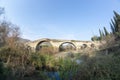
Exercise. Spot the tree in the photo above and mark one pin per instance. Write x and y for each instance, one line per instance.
(115, 25)
(112, 28)
(100, 32)
(9, 33)
(117, 21)
(106, 32)
(4, 30)
(95, 38)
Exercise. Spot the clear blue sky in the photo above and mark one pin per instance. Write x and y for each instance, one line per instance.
(60, 19)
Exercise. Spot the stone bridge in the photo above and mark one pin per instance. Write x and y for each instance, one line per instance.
(57, 44)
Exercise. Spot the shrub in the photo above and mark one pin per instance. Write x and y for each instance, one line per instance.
(42, 61)
(47, 50)
(4, 72)
(100, 67)
(67, 68)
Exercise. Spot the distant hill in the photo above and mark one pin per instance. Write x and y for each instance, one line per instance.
(22, 40)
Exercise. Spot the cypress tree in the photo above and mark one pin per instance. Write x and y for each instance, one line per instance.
(117, 22)
(115, 25)
(103, 34)
(112, 28)
(106, 32)
(100, 33)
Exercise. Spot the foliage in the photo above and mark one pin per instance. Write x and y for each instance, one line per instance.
(4, 72)
(68, 69)
(95, 38)
(47, 50)
(101, 34)
(106, 32)
(115, 28)
(16, 59)
(9, 33)
(99, 67)
(42, 61)
(115, 25)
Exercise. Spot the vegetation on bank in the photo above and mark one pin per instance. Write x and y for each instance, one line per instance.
(18, 63)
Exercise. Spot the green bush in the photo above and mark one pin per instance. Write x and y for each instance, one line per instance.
(100, 67)
(4, 72)
(45, 61)
(67, 68)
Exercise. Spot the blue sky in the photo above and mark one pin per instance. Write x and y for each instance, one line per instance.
(60, 19)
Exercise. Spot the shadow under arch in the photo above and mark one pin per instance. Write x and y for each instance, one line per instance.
(67, 46)
(43, 44)
(84, 46)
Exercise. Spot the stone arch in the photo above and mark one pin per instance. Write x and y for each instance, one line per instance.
(29, 48)
(43, 44)
(66, 46)
(84, 46)
(92, 45)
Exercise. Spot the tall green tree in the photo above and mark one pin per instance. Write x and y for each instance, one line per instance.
(115, 25)
(106, 32)
(103, 33)
(112, 27)
(95, 38)
(100, 32)
(117, 21)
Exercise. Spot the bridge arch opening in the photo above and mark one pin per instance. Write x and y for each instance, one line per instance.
(92, 45)
(84, 46)
(67, 46)
(29, 48)
(44, 46)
